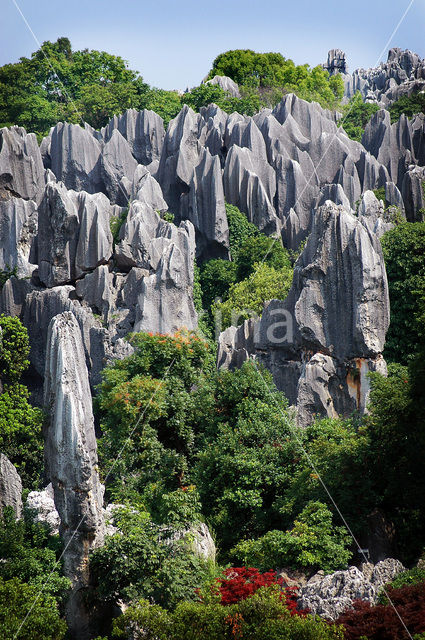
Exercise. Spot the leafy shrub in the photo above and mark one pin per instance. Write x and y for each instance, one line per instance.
(20, 423)
(248, 296)
(261, 616)
(149, 404)
(240, 229)
(409, 105)
(261, 249)
(216, 278)
(313, 543)
(381, 622)
(356, 114)
(404, 253)
(30, 554)
(28, 614)
(14, 349)
(116, 222)
(412, 576)
(144, 560)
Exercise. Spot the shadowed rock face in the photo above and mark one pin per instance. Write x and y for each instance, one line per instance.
(330, 331)
(21, 166)
(10, 487)
(18, 230)
(71, 459)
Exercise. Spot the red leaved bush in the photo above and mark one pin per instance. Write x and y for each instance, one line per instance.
(239, 583)
(381, 622)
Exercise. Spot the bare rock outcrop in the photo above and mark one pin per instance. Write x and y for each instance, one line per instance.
(75, 158)
(330, 595)
(144, 132)
(10, 487)
(71, 460)
(21, 166)
(18, 231)
(227, 84)
(42, 504)
(321, 342)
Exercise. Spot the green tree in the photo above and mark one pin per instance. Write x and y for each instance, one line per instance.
(261, 249)
(216, 278)
(356, 114)
(20, 423)
(27, 612)
(404, 253)
(409, 105)
(145, 560)
(166, 104)
(149, 404)
(261, 616)
(248, 296)
(30, 554)
(240, 229)
(312, 543)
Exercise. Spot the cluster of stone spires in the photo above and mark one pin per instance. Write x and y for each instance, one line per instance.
(291, 170)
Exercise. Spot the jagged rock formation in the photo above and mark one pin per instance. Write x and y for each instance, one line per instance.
(10, 487)
(42, 504)
(336, 62)
(21, 166)
(227, 84)
(321, 342)
(330, 595)
(402, 74)
(18, 230)
(71, 460)
(279, 167)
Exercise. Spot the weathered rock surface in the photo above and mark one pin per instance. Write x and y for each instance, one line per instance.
(10, 486)
(330, 595)
(330, 331)
(21, 165)
(143, 130)
(42, 503)
(402, 74)
(75, 158)
(116, 162)
(58, 235)
(165, 303)
(227, 84)
(18, 230)
(71, 460)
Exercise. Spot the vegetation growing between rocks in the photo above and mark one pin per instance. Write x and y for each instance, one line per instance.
(20, 423)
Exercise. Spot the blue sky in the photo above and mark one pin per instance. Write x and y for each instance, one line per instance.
(172, 42)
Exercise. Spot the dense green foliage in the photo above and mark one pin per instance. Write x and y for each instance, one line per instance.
(246, 298)
(30, 579)
(20, 423)
(58, 84)
(356, 114)
(409, 105)
(263, 616)
(144, 560)
(260, 270)
(196, 442)
(30, 553)
(28, 614)
(404, 253)
(312, 543)
(268, 71)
